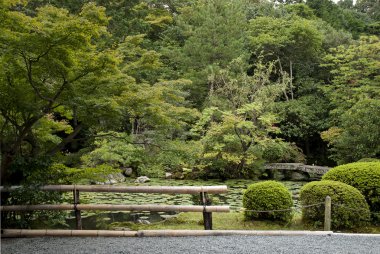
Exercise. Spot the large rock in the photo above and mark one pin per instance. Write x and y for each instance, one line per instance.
(168, 175)
(297, 176)
(142, 179)
(113, 179)
(127, 171)
(278, 175)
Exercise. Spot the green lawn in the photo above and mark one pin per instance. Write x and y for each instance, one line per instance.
(228, 221)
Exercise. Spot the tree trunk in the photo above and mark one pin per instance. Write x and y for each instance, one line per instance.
(65, 141)
(6, 161)
(291, 79)
(307, 147)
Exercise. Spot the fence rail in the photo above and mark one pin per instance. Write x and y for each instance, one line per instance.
(104, 207)
(128, 189)
(202, 191)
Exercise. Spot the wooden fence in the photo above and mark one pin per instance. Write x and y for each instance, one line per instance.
(206, 208)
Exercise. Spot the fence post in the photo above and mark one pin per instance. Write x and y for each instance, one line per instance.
(207, 216)
(78, 216)
(327, 225)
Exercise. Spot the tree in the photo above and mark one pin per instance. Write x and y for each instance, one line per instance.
(240, 123)
(294, 42)
(371, 7)
(354, 73)
(212, 34)
(354, 92)
(358, 134)
(52, 63)
(341, 16)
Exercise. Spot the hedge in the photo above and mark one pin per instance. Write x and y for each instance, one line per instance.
(364, 176)
(349, 208)
(265, 196)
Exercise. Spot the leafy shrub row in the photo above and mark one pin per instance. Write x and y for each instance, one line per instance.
(349, 208)
(268, 195)
(364, 176)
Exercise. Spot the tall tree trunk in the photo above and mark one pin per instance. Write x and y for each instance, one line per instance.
(291, 80)
(6, 161)
(9, 152)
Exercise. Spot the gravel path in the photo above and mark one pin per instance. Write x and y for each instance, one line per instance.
(183, 245)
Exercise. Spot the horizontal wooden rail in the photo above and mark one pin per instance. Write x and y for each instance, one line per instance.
(203, 191)
(7, 233)
(103, 207)
(129, 189)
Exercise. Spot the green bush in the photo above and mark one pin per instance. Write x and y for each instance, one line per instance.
(268, 195)
(349, 208)
(364, 176)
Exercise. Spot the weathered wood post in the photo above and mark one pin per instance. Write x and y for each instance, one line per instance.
(327, 225)
(78, 216)
(207, 216)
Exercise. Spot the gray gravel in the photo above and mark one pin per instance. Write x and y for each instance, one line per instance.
(219, 244)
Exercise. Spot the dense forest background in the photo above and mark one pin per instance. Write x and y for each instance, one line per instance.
(208, 88)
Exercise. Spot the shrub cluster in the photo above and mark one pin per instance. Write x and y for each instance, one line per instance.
(364, 176)
(349, 208)
(268, 195)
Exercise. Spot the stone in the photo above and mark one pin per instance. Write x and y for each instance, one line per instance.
(142, 179)
(127, 171)
(168, 175)
(143, 221)
(297, 176)
(278, 175)
(113, 179)
(167, 216)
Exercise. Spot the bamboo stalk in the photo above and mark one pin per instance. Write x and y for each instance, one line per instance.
(129, 189)
(64, 233)
(106, 207)
(327, 224)
(152, 233)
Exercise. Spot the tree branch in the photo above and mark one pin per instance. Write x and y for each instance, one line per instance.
(28, 65)
(65, 141)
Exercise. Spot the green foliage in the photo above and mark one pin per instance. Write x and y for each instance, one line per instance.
(354, 93)
(358, 134)
(49, 63)
(61, 174)
(276, 152)
(29, 195)
(146, 158)
(139, 62)
(349, 208)
(98, 174)
(240, 123)
(368, 160)
(370, 7)
(354, 73)
(211, 34)
(364, 176)
(289, 39)
(120, 83)
(340, 17)
(161, 107)
(116, 150)
(38, 172)
(301, 10)
(266, 196)
(303, 117)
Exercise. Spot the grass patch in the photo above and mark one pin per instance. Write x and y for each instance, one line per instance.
(228, 221)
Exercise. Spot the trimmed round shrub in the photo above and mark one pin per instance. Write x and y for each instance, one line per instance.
(364, 176)
(348, 206)
(267, 196)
